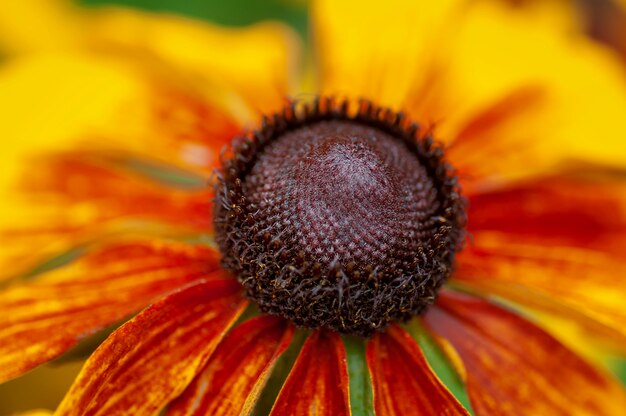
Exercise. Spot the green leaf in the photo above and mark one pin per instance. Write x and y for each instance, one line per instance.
(439, 362)
(361, 401)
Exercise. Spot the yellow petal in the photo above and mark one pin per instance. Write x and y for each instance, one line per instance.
(257, 61)
(49, 102)
(28, 25)
(376, 50)
(451, 63)
(500, 50)
(58, 101)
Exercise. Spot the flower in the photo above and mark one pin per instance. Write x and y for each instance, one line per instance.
(128, 113)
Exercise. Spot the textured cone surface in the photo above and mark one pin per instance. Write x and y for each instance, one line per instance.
(338, 222)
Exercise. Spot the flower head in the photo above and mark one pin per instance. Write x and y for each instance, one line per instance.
(338, 220)
(380, 242)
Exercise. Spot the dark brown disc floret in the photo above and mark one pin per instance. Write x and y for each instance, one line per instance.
(339, 216)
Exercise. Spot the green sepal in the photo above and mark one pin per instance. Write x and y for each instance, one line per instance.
(617, 366)
(55, 261)
(48, 264)
(361, 399)
(163, 173)
(279, 374)
(439, 362)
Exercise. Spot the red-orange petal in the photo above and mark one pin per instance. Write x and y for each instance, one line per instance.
(581, 285)
(403, 382)
(515, 368)
(555, 244)
(573, 211)
(237, 371)
(76, 197)
(43, 318)
(504, 149)
(102, 181)
(152, 358)
(318, 382)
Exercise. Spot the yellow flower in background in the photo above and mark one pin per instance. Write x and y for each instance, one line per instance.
(463, 144)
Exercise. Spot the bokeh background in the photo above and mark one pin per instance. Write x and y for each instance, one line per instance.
(44, 387)
(231, 12)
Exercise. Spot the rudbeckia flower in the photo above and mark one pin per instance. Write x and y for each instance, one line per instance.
(395, 230)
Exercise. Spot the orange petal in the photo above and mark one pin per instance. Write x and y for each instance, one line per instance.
(403, 381)
(581, 284)
(318, 382)
(193, 129)
(515, 368)
(555, 244)
(45, 317)
(151, 359)
(237, 371)
(112, 188)
(504, 148)
(77, 197)
(143, 109)
(74, 194)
